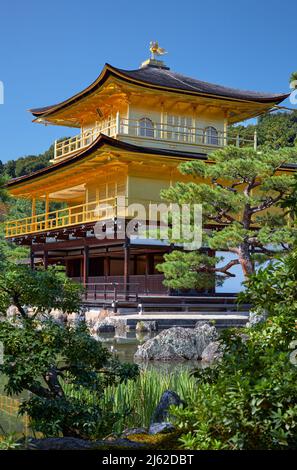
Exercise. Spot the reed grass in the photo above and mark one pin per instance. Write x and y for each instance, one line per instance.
(134, 401)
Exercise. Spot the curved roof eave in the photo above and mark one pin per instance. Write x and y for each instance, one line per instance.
(176, 83)
(99, 142)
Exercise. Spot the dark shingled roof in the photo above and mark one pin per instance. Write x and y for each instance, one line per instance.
(163, 78)
(166, 78)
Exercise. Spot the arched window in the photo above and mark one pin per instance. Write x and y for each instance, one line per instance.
(146, 127)
(211, 136)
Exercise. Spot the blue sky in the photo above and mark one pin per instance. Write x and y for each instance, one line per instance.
(51, 50)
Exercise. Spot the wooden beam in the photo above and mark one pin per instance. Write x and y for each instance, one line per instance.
(106, 264)
(31, 258)
(149, 264)
(33, 207)
(85, 265)
(45, 259)
(126, 267)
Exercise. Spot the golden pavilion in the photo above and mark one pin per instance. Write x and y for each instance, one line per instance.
(134, 128)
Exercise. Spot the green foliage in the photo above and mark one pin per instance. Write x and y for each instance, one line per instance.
(273, 289)
(248, 400)
(243, 198)
(133, 401)
(28, 164)
(136, 400)
(9, 442)
(293, 78)
(274, 130)
(68, 415)
(41, 354)
(43, 290)
(188, 270)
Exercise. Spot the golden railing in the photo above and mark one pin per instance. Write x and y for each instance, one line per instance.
(69, 216)
(208, 136)
(67, 147)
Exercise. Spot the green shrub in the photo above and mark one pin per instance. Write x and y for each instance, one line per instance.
(249, 399)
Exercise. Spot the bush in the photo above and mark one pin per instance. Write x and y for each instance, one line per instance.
(249, 399)
(41, 355)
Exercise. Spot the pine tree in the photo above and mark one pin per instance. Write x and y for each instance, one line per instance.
(241, 192)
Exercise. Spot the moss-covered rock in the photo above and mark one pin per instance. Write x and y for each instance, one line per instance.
(169, 441)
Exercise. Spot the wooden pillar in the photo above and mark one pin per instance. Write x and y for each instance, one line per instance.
(47, 203)
(134, 271)
(225, 139)
(255, 140)
(85, 265)
(31, 258)
(66, 267)
(33, 213)
(45, 259)
(46, 210)
(126, 267)
(149, 264)
(33, 207)
(106, 265)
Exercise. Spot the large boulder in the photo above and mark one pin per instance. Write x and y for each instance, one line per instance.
(177, 344)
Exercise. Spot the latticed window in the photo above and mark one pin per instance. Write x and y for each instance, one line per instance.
(211, 136)
(146, 127)
(179, 128)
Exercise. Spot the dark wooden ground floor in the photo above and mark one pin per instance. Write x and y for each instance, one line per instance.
(104, 267)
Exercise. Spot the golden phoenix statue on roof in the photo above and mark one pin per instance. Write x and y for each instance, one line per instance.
(156, 49)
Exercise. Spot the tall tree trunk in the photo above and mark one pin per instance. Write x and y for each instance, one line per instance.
(245, 260)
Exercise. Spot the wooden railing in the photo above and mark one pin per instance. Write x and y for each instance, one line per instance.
(67, 147)
(74, 215)
(123, 127)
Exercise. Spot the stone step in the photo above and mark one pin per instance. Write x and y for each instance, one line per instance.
(205, 314)
(163, 323)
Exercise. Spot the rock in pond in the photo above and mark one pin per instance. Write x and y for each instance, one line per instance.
(167, 399)
(111, 324)
(104, 326)
(213, 352)
(146, 326)
(177, 344)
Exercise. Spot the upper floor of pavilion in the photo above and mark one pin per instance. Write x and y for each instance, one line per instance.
(154, 107)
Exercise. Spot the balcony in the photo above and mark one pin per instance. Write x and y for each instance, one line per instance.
(63, 218)
(144, 132)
